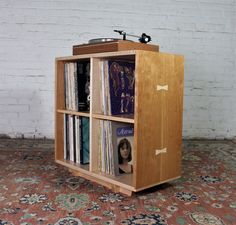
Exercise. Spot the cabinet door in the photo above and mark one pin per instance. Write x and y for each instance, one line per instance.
(157, 155)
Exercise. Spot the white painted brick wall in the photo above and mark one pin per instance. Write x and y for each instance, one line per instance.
(33, 33)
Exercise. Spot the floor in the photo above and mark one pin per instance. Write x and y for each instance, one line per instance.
(35, 190)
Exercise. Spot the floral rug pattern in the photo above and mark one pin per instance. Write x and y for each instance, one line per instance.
(35, 190)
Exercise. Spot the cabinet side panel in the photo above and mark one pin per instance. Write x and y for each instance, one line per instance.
(59, 104)
(147, 118)
(172, 118)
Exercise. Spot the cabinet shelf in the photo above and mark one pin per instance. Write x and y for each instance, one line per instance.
(156, 122)
(70, 112)
(122, 118)
(119, 118)
(125, 181)
(73, 166)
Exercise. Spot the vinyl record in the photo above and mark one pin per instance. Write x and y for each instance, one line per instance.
(99, 40)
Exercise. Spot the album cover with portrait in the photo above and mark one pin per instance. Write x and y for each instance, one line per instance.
(123, 136)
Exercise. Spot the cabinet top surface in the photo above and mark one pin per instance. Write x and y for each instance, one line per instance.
(94, 55)
(109, 54)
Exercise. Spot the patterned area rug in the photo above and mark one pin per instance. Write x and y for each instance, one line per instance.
(35, 190)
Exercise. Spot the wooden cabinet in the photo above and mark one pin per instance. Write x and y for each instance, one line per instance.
(157, 119)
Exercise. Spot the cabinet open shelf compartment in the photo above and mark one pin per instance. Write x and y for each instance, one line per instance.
(157, 119)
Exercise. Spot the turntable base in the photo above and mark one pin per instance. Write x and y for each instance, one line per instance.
(112, 46)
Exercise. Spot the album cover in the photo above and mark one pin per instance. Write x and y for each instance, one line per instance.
(121, 87)
(123, 138)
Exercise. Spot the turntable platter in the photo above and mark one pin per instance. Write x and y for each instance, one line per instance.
(100, 40)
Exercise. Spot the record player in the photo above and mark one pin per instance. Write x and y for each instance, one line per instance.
(114, 44)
